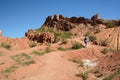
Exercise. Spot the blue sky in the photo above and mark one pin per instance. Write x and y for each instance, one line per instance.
(17, 16)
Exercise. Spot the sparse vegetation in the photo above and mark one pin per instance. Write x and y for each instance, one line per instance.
(1, 54)
(41, 29)
(39, 53)
(51, 29)
(2, 63)
(110, 24)
(104, 43)
(97, 31)
(77, 45)
(84, 75)
(5, 45)
(9, 70)
(48, 49)
(110, 77)
(32, 44)
(64, 41)
(105, 50)
(23, 59)
(78, 61)
(62, 49)
(57, 34)
(97, 72)
(66, 35)
(92, 38)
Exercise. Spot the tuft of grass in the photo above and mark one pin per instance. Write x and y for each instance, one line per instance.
(32, 44)
(23, 59)
(66, 35)
(97, 31)
(5, 45)
(78, 61)
(110, 24)
(2, 63)
(97, 72)
(9, 70)
(92, 38)
(64, 41)
(48, 49)
(104, 43)
(39, 53)
(83, 75)
(51, 30)
(41, 29)
(105, 50)
(1, 54)
(110, 77)
(77, 45)
(62, 49)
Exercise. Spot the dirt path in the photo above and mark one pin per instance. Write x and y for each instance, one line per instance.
(51, 66)
(55, 67)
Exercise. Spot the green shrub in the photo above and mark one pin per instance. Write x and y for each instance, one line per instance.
(51, 29)
(92, 38)
(5, 45)
(77, 45)
(97, 31)
(105, 51)
(23, 59)
(2, 63)
(32, 44)
(41, 29)
(83, 75)
(57, 39)
(110, 77)
(66, 35)
(104, 43)
(39, 53)
(110, 24)
(62, 49)
(57, 34)
(64, 41)
(78, 61)
(97, 72)
(9, 70)
(48, 49)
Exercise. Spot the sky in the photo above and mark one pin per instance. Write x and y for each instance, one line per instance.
(18, 16)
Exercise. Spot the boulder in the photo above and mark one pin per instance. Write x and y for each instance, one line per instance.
(32, 35)
(95, 17)
(46, 37)
(56, 18)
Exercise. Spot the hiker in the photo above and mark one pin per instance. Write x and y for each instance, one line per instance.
(86, 39)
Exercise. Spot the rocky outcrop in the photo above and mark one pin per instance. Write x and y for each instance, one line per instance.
(60, 22)
(46, 37)
(43, 37)
(95, 17)
(32, 35)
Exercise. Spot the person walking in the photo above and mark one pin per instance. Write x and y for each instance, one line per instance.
(86, 40)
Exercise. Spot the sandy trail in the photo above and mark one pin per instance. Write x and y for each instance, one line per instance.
(55, 67)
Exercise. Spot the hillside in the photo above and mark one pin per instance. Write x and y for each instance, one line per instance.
(56, 51)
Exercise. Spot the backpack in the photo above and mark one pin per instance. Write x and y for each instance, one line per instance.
(86, 39)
